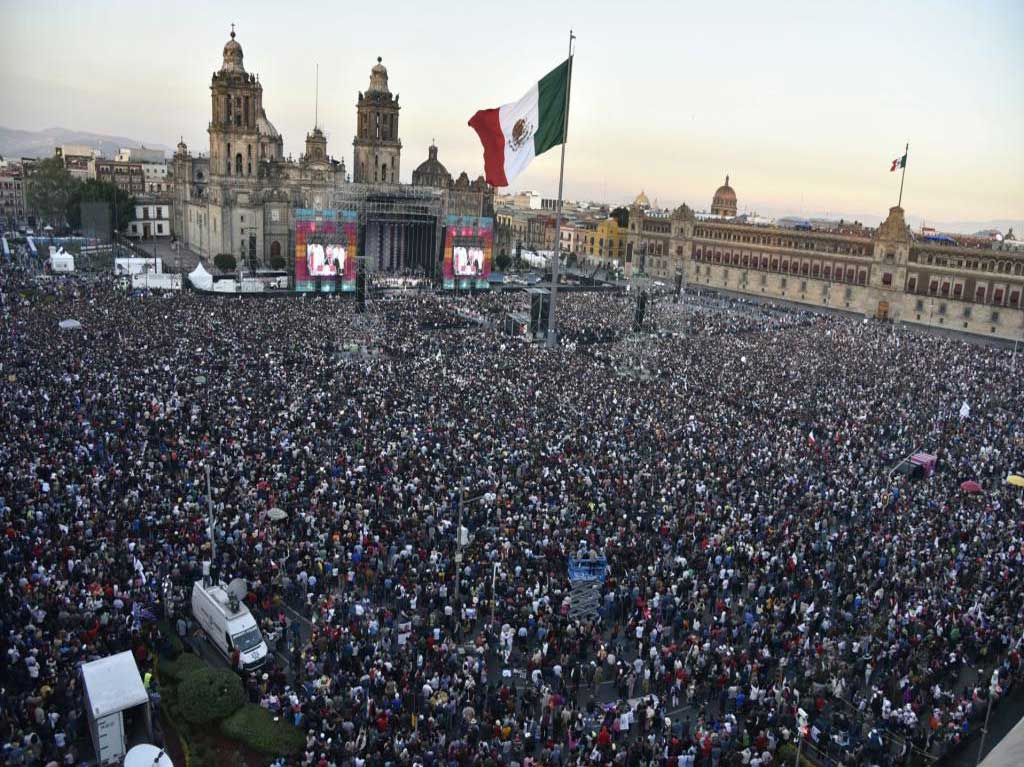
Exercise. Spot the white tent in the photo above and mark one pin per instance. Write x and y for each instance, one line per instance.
(200, 278)
(61, 261)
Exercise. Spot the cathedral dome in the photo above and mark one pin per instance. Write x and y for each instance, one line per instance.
(724, 201)
(232, 55)
(264, 126)
(642, 201)
(378, 78)
(431, 172)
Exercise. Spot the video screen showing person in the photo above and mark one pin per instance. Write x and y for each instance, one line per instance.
(325, 260)
(468, 261)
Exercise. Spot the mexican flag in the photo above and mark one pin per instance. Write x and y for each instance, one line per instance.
(899, 162)
(513, 134)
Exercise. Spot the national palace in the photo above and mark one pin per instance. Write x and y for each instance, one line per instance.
(968, 283)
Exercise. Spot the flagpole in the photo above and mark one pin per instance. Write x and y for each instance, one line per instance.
(903, 175)
(552, 325)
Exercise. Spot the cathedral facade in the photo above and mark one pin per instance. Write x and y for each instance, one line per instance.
(240, 196)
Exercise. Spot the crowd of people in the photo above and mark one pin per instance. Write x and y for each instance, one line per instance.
(769, 580)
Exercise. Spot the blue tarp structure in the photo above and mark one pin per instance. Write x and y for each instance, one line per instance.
(589, 569)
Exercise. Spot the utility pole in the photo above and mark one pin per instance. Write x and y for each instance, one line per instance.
(494, 584)
(993, 685)
(209, 507)
(458, 552)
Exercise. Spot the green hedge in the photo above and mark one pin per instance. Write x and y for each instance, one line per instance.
(256, 727)
(786, 754)
(208, 694)
(177, 669)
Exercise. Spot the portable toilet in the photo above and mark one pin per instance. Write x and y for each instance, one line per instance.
(117, 706)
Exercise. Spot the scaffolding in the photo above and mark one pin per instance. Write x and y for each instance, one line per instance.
(401, 225)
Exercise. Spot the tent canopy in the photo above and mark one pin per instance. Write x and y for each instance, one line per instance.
(70, 325)
(1016, 480)
(200, 278)
(113, 684)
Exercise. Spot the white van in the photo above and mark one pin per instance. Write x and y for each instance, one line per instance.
(229, 624)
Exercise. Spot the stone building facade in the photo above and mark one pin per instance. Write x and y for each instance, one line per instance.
(240, 197)
(127, 176)
(887, 273)
(378, 150)
(462, 197)
(12, 195)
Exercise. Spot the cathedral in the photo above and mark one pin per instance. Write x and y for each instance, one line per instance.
(241, 197)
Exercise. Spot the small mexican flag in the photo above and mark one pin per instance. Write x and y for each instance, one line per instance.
(899, 162)
(513, 134)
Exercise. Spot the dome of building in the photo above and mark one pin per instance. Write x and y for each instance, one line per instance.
(232, 55)
(264, 126)
(724, 201)
(431, 172)
(642, 201)
(378, 78)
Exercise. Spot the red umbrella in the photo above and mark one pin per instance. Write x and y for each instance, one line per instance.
(970, 486)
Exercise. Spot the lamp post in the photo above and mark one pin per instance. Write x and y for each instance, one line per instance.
(992, 688)
(458, 536)
(209, 509)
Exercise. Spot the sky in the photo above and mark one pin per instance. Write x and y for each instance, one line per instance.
(803, 104)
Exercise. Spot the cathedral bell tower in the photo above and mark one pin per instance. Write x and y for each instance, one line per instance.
(378, 150)
(237, 105)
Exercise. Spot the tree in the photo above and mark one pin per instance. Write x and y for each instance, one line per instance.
(503, 261)
(209, 694)
(48, 190)
(225, 262)
(621, 215)
(121, 203)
